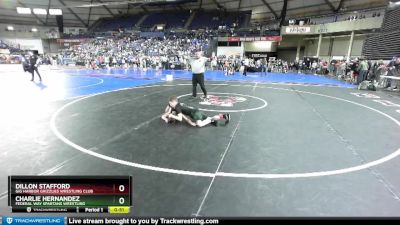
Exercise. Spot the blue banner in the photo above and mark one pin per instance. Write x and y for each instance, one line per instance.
(18, 220)
(152, 34)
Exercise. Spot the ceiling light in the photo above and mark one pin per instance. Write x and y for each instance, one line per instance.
(56, 12)
(39, 11)
(21, 10)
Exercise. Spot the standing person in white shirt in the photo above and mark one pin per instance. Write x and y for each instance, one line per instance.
(198, 64)
(314, 67)
(214, 63)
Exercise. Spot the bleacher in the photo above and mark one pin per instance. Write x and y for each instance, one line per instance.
(203, 20)
(391, 21)
(234, 18)
(110, 24)
(386, 43)
(212, 20)
(172, 20)
(336, 17)
(13, 48)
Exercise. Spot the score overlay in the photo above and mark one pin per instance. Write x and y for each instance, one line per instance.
(75, 194)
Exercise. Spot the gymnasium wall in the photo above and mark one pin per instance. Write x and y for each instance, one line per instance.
(50, 46)
(290, 41)
(336, 46)
(25, 44)
(251, 46)
(289, 54)
(230, 50)
(260, 46)
(44, 40)
(25, 31)
(335, 27)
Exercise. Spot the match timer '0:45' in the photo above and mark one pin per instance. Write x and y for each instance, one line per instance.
(118, 210)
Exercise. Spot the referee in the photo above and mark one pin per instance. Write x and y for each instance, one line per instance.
(33, 65)
(198, 64)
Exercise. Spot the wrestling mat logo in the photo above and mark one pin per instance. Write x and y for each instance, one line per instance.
(223, 101)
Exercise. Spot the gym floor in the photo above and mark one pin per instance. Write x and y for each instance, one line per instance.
(297, 145)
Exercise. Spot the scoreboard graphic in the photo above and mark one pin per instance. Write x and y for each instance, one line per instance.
(74, 194)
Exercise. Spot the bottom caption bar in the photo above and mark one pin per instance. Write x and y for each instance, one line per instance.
(20, 220)
(139, 221)
(70, 210)
(25, 220)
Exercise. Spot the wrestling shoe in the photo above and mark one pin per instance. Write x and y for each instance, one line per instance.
(227, 118)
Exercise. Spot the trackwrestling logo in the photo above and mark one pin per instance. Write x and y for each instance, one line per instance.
(33, 220)
(223, 101)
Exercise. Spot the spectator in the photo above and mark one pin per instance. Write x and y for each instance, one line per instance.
(363, 68)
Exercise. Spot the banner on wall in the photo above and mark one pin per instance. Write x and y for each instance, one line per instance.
(259, 55)
(298, 30)
(267, 38)
(62, 41)
(233, 38)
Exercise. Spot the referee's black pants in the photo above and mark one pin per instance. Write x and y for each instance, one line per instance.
(245, 70)
(32, 70)
(198, 79)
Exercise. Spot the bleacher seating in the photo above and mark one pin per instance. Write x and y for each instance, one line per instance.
(13, 48)
(203, 19)
(336, 17)
(109, 24)
(172, 20)
(213, 20)
(391, 21)
(232, 18)
(386, 43)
